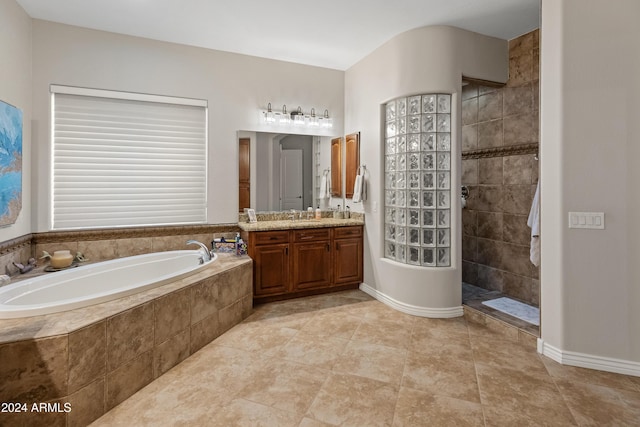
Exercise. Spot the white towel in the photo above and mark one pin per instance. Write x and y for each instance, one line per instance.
(357, 189)
(534, 222)
(324, 188)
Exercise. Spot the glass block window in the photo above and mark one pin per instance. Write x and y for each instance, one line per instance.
(417, 182)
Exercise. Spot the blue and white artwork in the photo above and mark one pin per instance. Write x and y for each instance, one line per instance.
(10, 163)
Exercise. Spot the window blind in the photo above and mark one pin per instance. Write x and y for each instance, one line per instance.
(127, 161)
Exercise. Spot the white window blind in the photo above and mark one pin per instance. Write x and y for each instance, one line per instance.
(127, 160)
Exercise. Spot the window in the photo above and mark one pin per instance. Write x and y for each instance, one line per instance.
(123, 159)
(418, 180)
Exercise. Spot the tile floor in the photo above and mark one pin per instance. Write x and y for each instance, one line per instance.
(347, 360)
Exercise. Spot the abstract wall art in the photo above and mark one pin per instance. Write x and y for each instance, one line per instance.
(10, 163)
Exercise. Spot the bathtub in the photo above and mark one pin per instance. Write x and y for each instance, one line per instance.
(96, 283)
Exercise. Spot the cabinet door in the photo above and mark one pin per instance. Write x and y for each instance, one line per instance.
(347, 261)
(271, 269)
(311, 265)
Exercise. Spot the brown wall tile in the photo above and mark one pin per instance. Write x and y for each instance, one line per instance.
(469, 222)
(518, 286)
(135, 246)
(469, 171)
(87, 404)
(469, 91)
(172, 314)
(518, 100)
(520, 69)
(522, 45)
(469, 272)
(98, 250)
(490, 253)
(490, 278)
(128, 378)
(129, 334)
(518, 129)
(87, 355)
(516, 229)
(517, 169)
(469, 137)
(205, 299)
(230, 316)
(490, 225)
(516, 259)
(470, 111)
(490, 170)
(489, 106)
(516, 199)
(469, 248)
(171, 352)
(491, 134)
(205, 331)
(489, 198)
(34, 371)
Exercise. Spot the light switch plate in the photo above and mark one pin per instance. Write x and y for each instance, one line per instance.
(592, 220)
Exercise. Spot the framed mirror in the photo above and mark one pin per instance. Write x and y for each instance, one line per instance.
(279, 172)
(352, 162)
(336, 167)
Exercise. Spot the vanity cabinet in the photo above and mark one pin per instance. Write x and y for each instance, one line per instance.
(300, 262)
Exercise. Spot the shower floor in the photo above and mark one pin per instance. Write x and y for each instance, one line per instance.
(473, 297)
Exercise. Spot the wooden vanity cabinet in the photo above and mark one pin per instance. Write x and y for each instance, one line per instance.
(300, 262)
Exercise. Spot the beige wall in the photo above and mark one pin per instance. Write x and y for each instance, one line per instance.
(425, 60)
(15, 89)
(590, 137)
(235, 86)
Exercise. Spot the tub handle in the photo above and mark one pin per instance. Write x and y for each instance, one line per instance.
(206, 256)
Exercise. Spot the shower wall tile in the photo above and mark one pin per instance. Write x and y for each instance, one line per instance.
(470, 111)
(129, 334)
(34, 370)
(490, 253)
(87, 355)
(535, 292)
(469, 171)
(518, 129)
(516, 229)
(469, 91)
(469, 137)
(469, 222)
(469, 272)
(128, 378)
(522, 45)
(535, 72)
(491, 134)
(489, 198)
(490, 225)
(518, 100)
(171, 352)
(518, 286)
(490, 171)
(483, 90)
(520, 69)
(490, 278)
(172, 314)
(517, 199)
(490, 106)
(518, 169)
(469, 248)
(516, 259)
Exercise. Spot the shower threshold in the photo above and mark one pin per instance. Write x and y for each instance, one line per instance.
(473, 298)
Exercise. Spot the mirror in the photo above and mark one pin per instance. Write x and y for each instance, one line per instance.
(279, 172)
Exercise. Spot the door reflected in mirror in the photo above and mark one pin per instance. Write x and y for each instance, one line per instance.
(336, 167)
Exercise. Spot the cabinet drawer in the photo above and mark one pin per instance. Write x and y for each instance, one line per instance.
(310, 235)
(270, 237)
(347, 232)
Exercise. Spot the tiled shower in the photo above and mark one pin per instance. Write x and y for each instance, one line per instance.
(500, 168)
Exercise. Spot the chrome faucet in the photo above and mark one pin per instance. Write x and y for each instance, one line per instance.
(206, 256)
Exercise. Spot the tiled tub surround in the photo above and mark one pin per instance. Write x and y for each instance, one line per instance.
(97, 356)
(496, 121)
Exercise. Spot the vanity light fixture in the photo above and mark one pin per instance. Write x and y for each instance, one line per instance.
(297, 118)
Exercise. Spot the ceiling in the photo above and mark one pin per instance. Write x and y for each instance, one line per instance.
(329, 33)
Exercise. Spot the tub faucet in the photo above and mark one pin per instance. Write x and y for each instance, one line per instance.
(206, 256)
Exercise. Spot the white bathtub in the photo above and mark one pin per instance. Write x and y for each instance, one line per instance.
(96, 283)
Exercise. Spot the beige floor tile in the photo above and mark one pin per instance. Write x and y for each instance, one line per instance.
(454, 347)
(256, 337)
(498, 352)
(332, 324)
(418, 408)
(505, 417)
(373, 361)
(346, 400)
(321, 352)
(440, 373)
(531, 395)
(308, 422)
(243, 413)
(593, 405)
(285, 385)
(388, 333)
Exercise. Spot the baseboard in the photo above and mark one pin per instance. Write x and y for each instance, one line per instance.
(412, 309)
(589, 361)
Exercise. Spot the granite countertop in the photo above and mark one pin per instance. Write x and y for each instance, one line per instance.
(297, 224)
